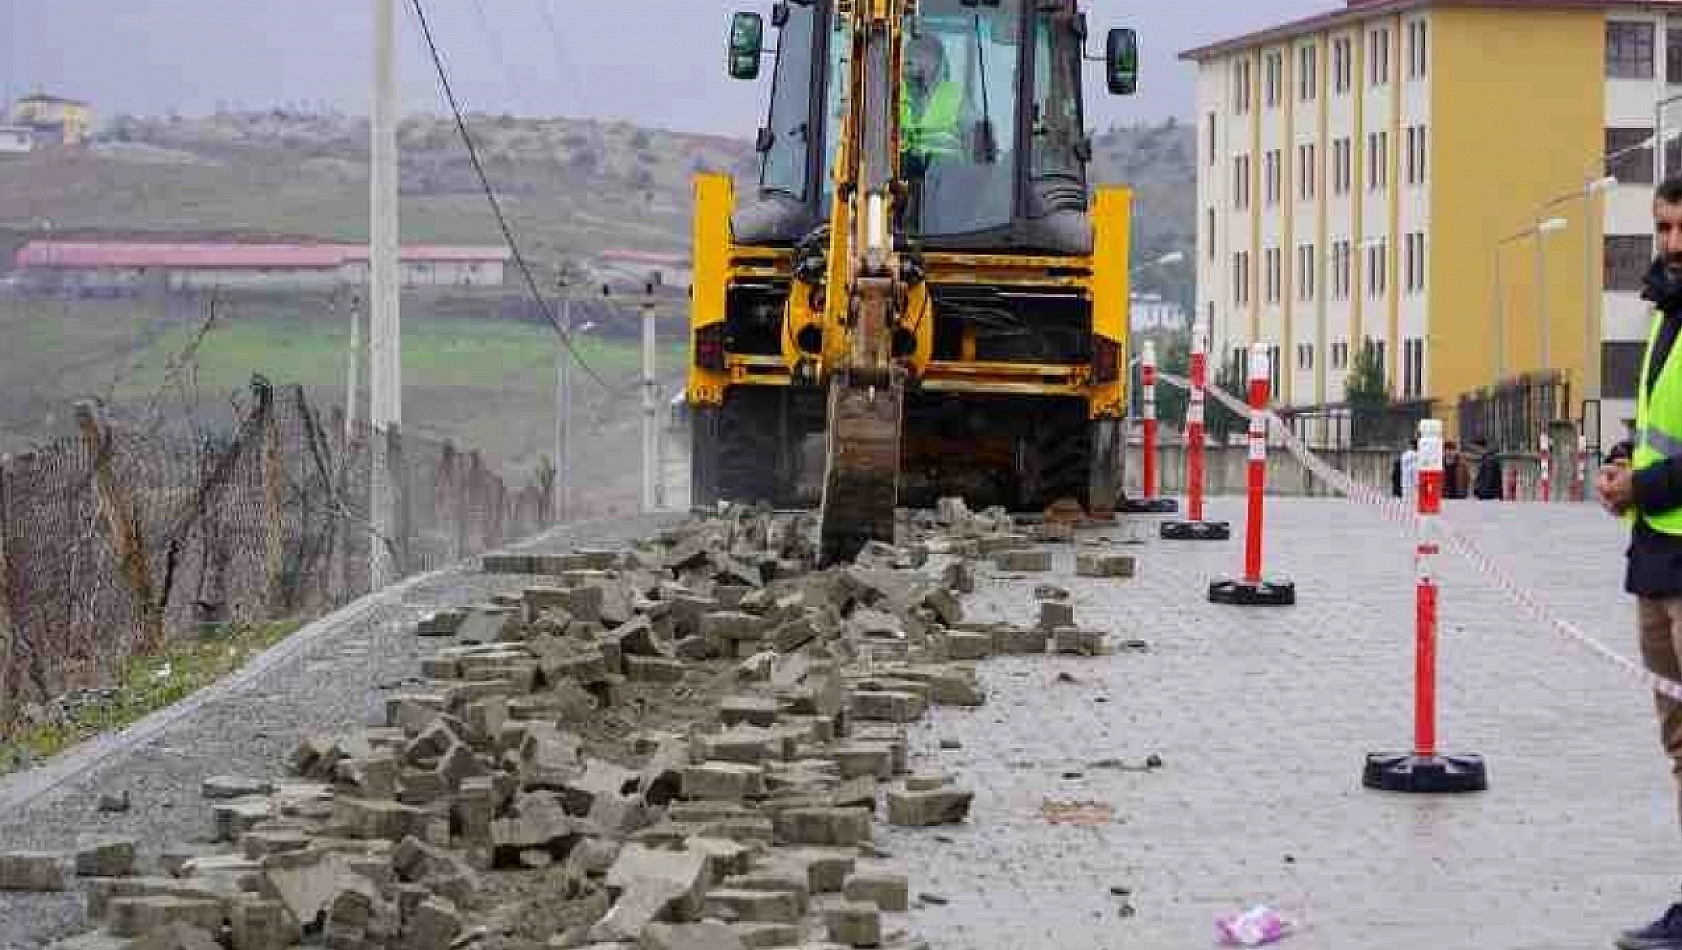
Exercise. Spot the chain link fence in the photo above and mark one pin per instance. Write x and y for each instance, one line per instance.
(119, 536)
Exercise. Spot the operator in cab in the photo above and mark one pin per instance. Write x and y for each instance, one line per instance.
(931, 111)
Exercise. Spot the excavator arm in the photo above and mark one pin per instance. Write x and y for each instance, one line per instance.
(866, 388)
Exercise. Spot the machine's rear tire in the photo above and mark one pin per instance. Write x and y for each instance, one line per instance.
(703, 456)
(748, 445)
(1062, 463)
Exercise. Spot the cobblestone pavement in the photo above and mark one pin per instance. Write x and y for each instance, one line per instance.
(340, 680)
(1263, 717)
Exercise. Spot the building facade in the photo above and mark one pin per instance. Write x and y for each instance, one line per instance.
(116, 267)
(54, 120)
(16, 139)
(1427, 178)
(1152, 312)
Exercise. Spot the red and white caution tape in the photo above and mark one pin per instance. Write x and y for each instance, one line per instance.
(1398, 510)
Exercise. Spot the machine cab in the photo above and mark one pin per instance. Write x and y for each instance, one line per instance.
(993, 145)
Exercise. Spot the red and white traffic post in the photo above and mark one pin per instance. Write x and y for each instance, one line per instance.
(1425, 770)
(1194, 528)
(1149, 503)
(1252, 589)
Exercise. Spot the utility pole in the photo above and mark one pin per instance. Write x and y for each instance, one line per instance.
(352, 385)
(650, 429)
(384, 330)
(563, 407)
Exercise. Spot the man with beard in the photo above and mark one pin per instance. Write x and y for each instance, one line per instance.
(1646, 490)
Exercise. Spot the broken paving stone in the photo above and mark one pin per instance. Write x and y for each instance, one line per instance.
(962, 645)
(647, 669)
(918, 809)
(853, 924)
(114, 804)
(1050, 592)
(1104, 564)
(679, 877)
(33, 871)
(441, 623)
(959, 577)
(1053, 532)
(378, 819)
(98, 856)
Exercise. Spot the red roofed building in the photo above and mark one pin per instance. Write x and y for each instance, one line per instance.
(119, 265)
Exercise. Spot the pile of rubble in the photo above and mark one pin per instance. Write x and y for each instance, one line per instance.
(678, 746)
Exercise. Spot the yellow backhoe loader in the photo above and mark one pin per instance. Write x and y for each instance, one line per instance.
(923, 296)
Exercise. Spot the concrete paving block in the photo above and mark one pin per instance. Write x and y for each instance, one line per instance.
(707, 935)
(1020, 640)
(104, 856)
(649, 669)
(434, 925)
(840, 827)
(961, 645)
(726, 780)
(1105, 564)
(858, 759)
(261, 925)
(916, 809)
(888, 890)
(33, 871)
(786, 880)
(219, 787)
(888, 705)
(137, 916)
(827, 869)
(1054, 614)
(1053, 532)
(854, 924)
(680, 877)
(751, 905)
(1081, 642)
(1029, 561)
(377, 819)
(751, 710)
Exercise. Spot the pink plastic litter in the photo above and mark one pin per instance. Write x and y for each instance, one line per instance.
(1255, 927)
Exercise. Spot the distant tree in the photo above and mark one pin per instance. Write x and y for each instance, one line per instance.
(1218, 419)
(1367, 393)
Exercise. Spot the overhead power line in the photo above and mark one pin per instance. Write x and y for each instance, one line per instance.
(496, 205)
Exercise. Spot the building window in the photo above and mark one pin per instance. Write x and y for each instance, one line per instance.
(1271, 278)
(1378, 55)
(1620, 368)
(1413, 368)
(1378, 160)
(1275, 176)
(1273, 371)
(1673, 56)
(1341, 166)
(1629, 159)
(1211, 132)
(1241, 85)
(1241, 278)
(1305, 272)
(1305, 171)
(1629, 50)
(1343, 65)
(1377, 267)
(1209, 230)
(1627, 258)
(1416, 155)
(1241, 182)
(1416, 49)
(1308, 73)
(1341, 261)
(1273, 73)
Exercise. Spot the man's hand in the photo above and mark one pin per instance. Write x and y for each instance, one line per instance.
(1616, 487)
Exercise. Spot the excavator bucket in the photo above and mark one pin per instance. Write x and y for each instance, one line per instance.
(861, 469)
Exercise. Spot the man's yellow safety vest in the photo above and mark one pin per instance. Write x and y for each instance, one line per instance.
(934, 130)
(1658, 423)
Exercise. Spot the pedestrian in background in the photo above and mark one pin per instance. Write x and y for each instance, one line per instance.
(1645, 488)
(1457, 475)
(1486, 484)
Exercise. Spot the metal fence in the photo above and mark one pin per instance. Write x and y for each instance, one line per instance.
(115, 538)
(1512, 415)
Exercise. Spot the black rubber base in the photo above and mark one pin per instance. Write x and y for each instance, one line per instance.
(1246, 594)
(1434, 775)
(1155, 506)
(1196, 531)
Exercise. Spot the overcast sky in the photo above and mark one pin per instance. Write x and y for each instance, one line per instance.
(655, 62)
